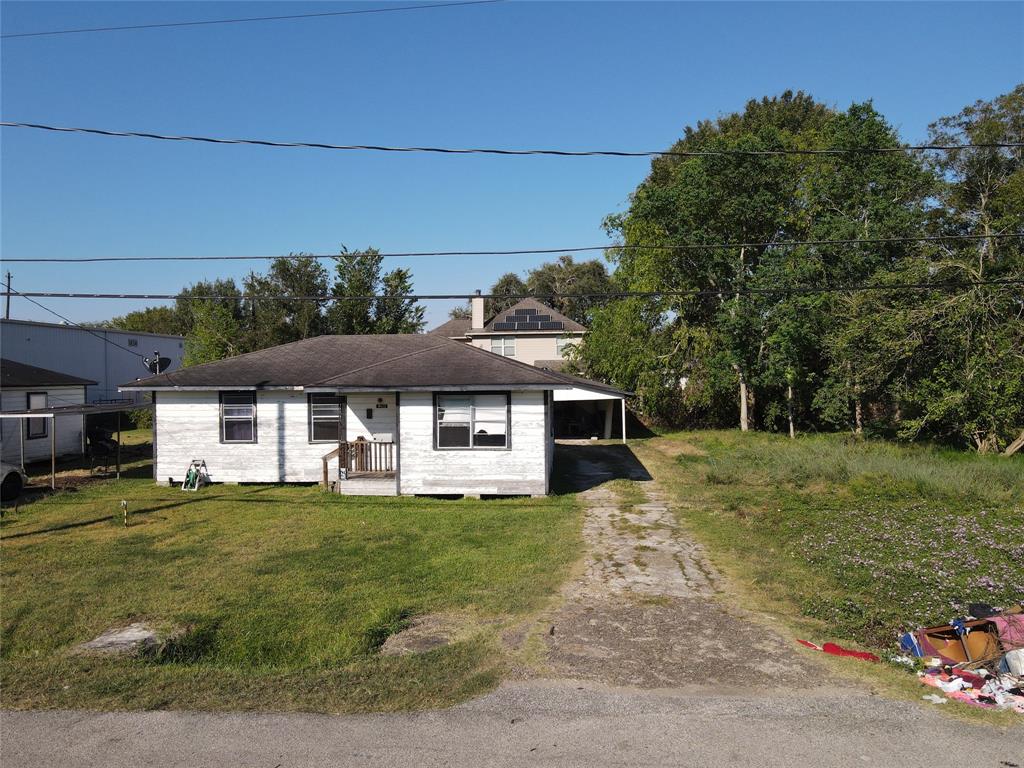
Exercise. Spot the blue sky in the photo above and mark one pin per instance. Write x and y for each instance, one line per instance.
(516, 74)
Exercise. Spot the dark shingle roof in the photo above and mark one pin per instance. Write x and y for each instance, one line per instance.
(409, 361)
(551, 365)
(454, 328)
(544, 309)
(14, 374)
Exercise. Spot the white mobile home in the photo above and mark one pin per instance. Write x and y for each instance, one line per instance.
(385, 415)
(28, 387)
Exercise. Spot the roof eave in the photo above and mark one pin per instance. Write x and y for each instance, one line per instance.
(351, 388)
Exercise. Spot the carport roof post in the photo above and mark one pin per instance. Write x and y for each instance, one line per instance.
(83, 409)
(53, 440)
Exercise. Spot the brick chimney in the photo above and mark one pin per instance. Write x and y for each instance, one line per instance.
(477, 304)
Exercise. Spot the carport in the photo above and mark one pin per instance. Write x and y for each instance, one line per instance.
(587, 411)
(86, 410)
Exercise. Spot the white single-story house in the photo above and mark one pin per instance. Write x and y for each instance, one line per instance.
(382, 415)
(28, 387)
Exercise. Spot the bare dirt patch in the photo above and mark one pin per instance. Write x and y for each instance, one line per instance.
(430, 631)
(675, 448)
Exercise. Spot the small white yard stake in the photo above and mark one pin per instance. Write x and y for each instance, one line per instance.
(124, 510)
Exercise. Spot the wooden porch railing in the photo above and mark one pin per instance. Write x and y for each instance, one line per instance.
(361, 457)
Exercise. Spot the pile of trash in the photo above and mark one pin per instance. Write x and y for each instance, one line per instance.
(977, 659)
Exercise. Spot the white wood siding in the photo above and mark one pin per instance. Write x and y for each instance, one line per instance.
(188, 424)
(521, 470)
(69, 428)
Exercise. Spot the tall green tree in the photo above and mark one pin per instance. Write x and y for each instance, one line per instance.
(216, 333)
(149, 320)
(758, 335)
(393, 314)
(968, 381)
(697, 200)
(564, 276)
(274, 321)
(186, 306)
(212, 326)
(367, 301)
(506, 289)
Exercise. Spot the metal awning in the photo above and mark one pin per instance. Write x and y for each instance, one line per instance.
(85, 409)
(81, 409)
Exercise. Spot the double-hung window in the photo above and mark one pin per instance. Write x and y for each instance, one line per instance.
(504, 345)
(325, 417)
(561, 343)
(472, 421)
(238, 417)
(36, 427)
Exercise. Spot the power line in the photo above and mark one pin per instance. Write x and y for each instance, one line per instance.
(520, 152)
(99, 336)
(463, 296)
(251, 19)
(528, 251)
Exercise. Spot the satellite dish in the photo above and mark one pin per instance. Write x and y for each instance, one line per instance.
(157, 364)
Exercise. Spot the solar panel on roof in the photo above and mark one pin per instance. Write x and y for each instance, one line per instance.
(552, 325)
(504, 326)
(526, 311)
(527, 326)
(541, 318)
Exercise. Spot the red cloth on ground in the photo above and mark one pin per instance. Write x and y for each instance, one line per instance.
(838, 650)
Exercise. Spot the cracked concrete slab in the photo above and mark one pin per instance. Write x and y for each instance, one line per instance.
(131, 639)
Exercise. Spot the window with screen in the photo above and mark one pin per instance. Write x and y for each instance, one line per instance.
(504, 345)
(326, 421)
(36, 427)
(238, 417)
(561, 343)
(472, 421)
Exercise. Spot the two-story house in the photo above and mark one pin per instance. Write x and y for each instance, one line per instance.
(534, 333)
(530, 332)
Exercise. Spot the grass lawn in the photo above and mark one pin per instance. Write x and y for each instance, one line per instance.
(861, 538)
(287, 593)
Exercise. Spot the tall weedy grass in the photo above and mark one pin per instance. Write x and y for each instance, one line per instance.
(886, 467)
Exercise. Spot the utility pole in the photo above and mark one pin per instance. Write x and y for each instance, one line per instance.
(7, 307)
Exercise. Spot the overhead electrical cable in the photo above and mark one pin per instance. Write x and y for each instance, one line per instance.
(97, 334)
(794, 290)
(518, 152)
(247, 20)
(527, 251)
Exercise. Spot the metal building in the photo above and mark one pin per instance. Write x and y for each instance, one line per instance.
(108, 357)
